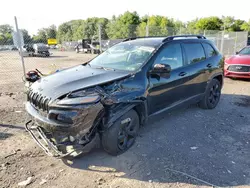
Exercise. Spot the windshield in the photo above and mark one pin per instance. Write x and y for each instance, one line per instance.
(245, 51)
(123, 56)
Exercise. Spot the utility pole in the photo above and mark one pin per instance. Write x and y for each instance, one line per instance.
(235, 42)
(100, 37)
(20, 45)
(147, 27)
(222, 38)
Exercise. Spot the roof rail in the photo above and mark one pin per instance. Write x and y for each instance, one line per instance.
(166, 38)
(133, 38)
(128, 39)
(183, 36)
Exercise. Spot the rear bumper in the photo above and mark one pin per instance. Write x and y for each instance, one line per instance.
(236, 74)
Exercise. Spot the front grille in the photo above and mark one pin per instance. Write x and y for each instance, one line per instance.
(239, 68)
(39, 101)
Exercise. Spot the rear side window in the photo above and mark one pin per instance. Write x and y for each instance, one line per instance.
(194, 52)
(209, 50)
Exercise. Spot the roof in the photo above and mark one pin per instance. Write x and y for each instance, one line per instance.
(150, 41)
(157, 41)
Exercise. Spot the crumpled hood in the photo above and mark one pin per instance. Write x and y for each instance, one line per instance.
(239, 59)
(75, 78)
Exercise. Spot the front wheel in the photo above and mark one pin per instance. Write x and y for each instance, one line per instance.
(212, 95)
(122, 134)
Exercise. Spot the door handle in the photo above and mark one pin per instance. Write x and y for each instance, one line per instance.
(209, 65)
(182, 74)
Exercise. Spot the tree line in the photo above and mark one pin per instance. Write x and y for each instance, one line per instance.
(129, 24)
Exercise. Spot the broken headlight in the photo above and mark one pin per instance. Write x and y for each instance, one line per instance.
(80, 100)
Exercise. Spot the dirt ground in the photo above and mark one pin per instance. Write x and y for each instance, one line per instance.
(185, 148)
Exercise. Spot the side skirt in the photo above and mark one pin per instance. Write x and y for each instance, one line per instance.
(179, 104)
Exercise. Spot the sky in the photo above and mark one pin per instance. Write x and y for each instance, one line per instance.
(35, 14)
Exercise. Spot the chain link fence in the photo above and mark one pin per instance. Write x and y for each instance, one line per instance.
(227, 42)
(67, 53)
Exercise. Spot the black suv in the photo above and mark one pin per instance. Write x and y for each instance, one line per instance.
(116, 92)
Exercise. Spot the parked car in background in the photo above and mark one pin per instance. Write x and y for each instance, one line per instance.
(13, 48)
(88, 46)
(41, 49)
(28, 50)
(115, 93)
(52, 46)
(238, 66)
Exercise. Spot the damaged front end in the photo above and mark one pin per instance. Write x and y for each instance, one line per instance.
(66, 127)
(70, 125)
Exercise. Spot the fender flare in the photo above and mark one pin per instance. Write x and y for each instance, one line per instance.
(143, 114)
(215, 75)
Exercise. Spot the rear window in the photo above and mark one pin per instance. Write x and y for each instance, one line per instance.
(194, 52)
(209, 50)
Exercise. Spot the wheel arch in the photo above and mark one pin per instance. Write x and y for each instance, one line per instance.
(139, 106)
(219, 77)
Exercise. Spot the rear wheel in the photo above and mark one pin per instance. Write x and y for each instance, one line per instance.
(122, 134)
(212, 95)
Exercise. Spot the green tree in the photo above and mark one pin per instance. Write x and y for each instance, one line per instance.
(141, 29)
(104, 23)
(231, 24)
(191, 25)
(91, 29)
(123, 26)
(179, 27)
(209, 23)
(237, 25)
(65, 32)
(6, 34)
(157, 26)
(77, 27)
(51, 32)
(41, 36)
(26, 37)
(246, 26)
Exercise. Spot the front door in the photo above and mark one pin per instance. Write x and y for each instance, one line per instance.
(165, 91)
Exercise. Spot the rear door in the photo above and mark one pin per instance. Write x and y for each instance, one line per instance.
(196, 67)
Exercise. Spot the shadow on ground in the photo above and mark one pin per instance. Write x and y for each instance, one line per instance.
(4, 134)
(48, 57)
(200, 147)
(56, 56)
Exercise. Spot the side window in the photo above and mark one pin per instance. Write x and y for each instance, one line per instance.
(209, 50)
(194, 52)
(171, 55)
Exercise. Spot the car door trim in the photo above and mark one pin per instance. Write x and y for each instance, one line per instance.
(178, 103)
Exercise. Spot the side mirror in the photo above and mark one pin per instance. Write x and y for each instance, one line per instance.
(237, 53)
(161, 69)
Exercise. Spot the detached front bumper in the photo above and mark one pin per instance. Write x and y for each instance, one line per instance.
(61, 140)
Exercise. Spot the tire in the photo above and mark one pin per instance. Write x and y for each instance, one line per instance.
(212, 95)
(121, 136)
